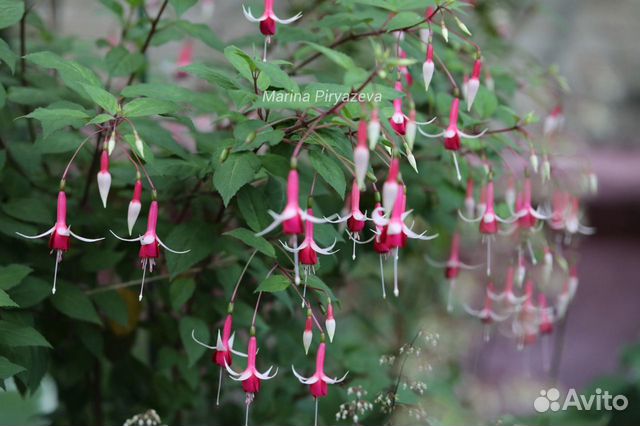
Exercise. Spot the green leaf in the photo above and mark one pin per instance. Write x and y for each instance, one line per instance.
(8, 369)
(120, 62)
(250, 239)
(53, 119)
(274, 284)
(251, 203)
(180, 291)
(240, 61)
(330, 171)
(403, 20)
(213, 76)
(197, 238)
(146, 106)
(314, 282)
(233, 174)
(181, 6)
(277, 77)
(32, 291)
(72, 73)
(12, 275)
(202, 32)
(100, 118)
(113, 306)
(16, 335)
(5, 300)
(72, 302)
(102, 98)
(199, 328)
(338, 58)
(11, 12)
(7, 55)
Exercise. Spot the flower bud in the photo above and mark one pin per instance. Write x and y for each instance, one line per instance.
(104, 177)
(330, 322)
(134, 205)
(307, 336)
(373, 129)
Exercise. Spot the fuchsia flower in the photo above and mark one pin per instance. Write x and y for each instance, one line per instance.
(319, 381)
(473, 84)
(185, 58)
(452, 134)
(268, 19)
(398, 120)
(428, 67)
(135, 205)
(380, 243)
(391, 187)
(526, 324)
(307, 336)
(566, 215)
(546, 315)
(507, 295)
(223, 348)
(452, 267)
(250, 376)
(60, 233)
(554, 122)
(404, 70)
(487, 315)
(361, 154)
(149, 244)
(104, 177)
(355, 219)
(373, 129)
(527, 215)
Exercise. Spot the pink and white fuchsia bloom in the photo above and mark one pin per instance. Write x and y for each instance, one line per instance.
(355, 219)
(507, 296)
(135, 205)
(149, 244)
(487, 314)
(473, 84)
(452, 134)
(318, 383)
(307, 335)
(373, 129)
(452, 267)
(330, 322)
(223, 348)
(268, 19)
(391, 187)
(60, 233)
(104, 177)
(361, 154)
(185, 58)
(526, 214)
(398, 120)
(251, 377)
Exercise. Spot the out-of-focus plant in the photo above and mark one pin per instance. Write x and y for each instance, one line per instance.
(282, 121)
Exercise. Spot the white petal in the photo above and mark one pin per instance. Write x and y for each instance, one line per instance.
(361, 160)
(427, 73)
(472, 90)
(132, 214)
(464, 135)
(247, 14)
(33, 237)
(304, 380)
(330, 324)
(466, 219)
(288, 20)
(86, 240)
(265, 375)
(429, 135)
(409, 233)
(171, 250)
(330, 381)
(325, 251)
(193, 336)
(129, 240)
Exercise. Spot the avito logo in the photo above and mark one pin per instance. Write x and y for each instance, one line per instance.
(550, 400)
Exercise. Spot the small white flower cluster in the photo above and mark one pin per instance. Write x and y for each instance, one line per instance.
(387, 359)
(418, 413)
(409, 349)
(416, 386)
(148, 418)
(356, 408)
(386, 401)
(432, 339)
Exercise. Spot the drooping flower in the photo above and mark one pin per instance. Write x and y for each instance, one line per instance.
(150, 244)
(135, 205)
(452, 268)
(527, 215)
(508, 296)
(526, 325)
(410, 130)
(487, 315)
(452, 134)
(250, 377)
(391, 187)
(268, 19)
(373, 129)
(185, 58)
(104, 177)
(60, 234)
(473, 84)
(330, 322)
(307, 335)
(566, 215)
(361, 154)
(223, 349)
(428, 67)
(553, 122)
(380, 240)
(319, 381)
(404, 70)
(398, 120)
(308, 251)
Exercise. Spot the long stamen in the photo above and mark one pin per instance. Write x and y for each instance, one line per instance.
(396, 291)
(452, 285)
(455, 162)
(55, 272)
(315, 421)
(353, 254)
(534, 260)
(489, 255)
(144, 272)
(246, 416)
(487, 333)
(384, 292)
(294, 240)
(219, 387)
(264, 53)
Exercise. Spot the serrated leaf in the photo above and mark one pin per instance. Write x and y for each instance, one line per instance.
(72, 73)
(16, 335)
(53, 119)
(233, 174)
(403, 20)
(144, 107)
(277, 77)
(72, 302)
(251, 204)
(274, 284)
(240, 61)
(12, 275)
(11, 12)
(250, 239)
(102, 98)
(201, 331)
(330, 171)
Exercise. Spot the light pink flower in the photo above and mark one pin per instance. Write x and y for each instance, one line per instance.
(104, 177)
(398, 120)
(361, 154)
(428, 67)
(473, 84)
(487, 315)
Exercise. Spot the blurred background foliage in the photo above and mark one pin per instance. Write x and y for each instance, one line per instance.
(91, 354)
